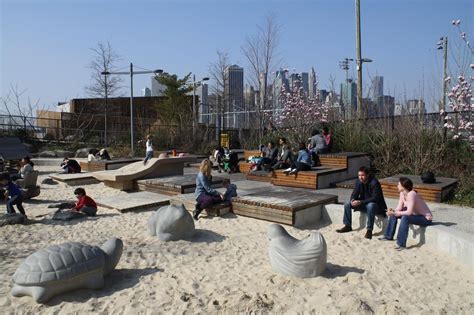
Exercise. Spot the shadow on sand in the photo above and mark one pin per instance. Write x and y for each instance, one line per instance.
(117, 280)
(207, 236)
(334, 271)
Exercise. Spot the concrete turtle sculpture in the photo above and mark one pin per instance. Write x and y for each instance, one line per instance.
(299, 258)
(171, 223)
(65, 267)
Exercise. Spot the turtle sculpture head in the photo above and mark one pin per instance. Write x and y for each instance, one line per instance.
(65, 267)
(113, 251)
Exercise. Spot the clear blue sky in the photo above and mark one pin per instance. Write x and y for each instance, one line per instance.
(45, 44)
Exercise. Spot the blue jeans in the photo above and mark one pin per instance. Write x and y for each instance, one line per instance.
(406, 220)
(15, 200)
(149, 155)
(371, 208)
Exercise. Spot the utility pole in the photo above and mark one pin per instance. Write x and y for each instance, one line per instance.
(445, 71)
(360, 106)
(344, 65)
(105, 117)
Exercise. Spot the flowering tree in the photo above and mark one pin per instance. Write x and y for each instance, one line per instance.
(459, 119)
(299, 113)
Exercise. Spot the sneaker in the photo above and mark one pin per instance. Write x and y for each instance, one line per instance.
(287, 170)
(293, 171)
(383, 238)
(368, 234)
(344, 229)
(399, 248)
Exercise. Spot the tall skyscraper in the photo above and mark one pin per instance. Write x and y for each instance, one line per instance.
(279, 83)
(234, 96)
(305, 82)
(349, 99)
(202, 93)
(377, 86)
(312, 83)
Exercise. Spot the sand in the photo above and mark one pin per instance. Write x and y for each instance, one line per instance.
(226, 269)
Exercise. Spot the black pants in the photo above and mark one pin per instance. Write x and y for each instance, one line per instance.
(300, 166)
(18, 201)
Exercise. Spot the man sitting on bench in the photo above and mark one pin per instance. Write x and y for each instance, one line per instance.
(367, 196)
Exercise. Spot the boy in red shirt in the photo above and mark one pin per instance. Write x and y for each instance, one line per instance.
(84, 203)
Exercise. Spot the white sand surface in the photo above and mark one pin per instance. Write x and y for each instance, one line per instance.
(226, 269)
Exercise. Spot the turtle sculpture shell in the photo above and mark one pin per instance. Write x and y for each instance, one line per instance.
(59, 262)
(65, 267)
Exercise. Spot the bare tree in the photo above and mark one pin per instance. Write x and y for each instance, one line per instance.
(217, 74)
(104, 86)
(261, 53)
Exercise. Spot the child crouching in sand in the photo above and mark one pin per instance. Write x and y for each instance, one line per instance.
(231, 190)
(84, 203)
(13, 195)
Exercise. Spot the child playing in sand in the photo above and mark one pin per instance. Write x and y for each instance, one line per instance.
(149, 149)
(231, 190)
(84, 203)
(13, 195)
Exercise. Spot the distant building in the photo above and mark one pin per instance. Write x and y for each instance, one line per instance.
(305, 82)
(146, 92)
(322, 95)
(202, 93)
(415, 107)
(157, 89)
(385, 106)
(280, 82)
(349, 99)
(234, 96)
(377, 86)
(312, 83)
(399, 110)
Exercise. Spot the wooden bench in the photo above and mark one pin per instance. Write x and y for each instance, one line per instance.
(436, 192)
(189, 202)
(174, 185)
(249, 153)
(260, 176)
(306, 179)
(283, 205)
(105, 165)
(339, 159)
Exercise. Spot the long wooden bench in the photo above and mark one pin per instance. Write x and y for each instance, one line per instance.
(436, 192)
(189, 202)
(174, 185)
(314, 179)
(283, 205)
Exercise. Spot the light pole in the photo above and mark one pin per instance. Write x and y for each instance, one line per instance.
(443, 45)
(131, 73)
(344, 64)
(195, 84)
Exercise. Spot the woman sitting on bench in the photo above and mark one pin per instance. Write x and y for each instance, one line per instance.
(411, 209)
(302, 163)
(206, 196)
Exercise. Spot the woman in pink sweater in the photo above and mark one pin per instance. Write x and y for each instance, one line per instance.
(411, 209)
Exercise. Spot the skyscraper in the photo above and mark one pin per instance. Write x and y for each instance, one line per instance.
(234, 96)
(377, 86)
(279, 83)
(312, 83)
(305, 82)
(349, 98)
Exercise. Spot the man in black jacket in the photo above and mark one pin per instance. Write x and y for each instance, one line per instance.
(366, 196)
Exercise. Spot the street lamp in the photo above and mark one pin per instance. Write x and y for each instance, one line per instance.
(443, 45)
(195, 84)
(131, 73)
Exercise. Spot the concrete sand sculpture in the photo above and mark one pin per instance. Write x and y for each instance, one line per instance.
(299, 258)
(171, 223)
(65, 267)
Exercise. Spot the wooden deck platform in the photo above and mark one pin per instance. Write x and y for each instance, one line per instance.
(294, 207)
(137, 201)
(75, 179)
(174, 185)
(436, 192)
(339, 159)
(105, 165)
(306, 179)
(260, 176)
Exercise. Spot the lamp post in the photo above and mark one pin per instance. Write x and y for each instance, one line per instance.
(443, 45)
(131, 73)
(195, 84)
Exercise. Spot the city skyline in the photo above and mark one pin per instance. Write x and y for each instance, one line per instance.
(49, 56)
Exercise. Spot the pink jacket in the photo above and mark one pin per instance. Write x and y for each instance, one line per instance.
(414, 204)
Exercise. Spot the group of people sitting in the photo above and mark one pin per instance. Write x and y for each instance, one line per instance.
(367, 196)
(273, 158)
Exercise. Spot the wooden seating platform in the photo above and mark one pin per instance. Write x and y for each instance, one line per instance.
(137, 201)
(249, 153)
(317, 178)
(75, 179)
(105, 165)
(189, 202)
(174, 185)
(260, 176)
(244, 167)
(294, 207)
(436, 192)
